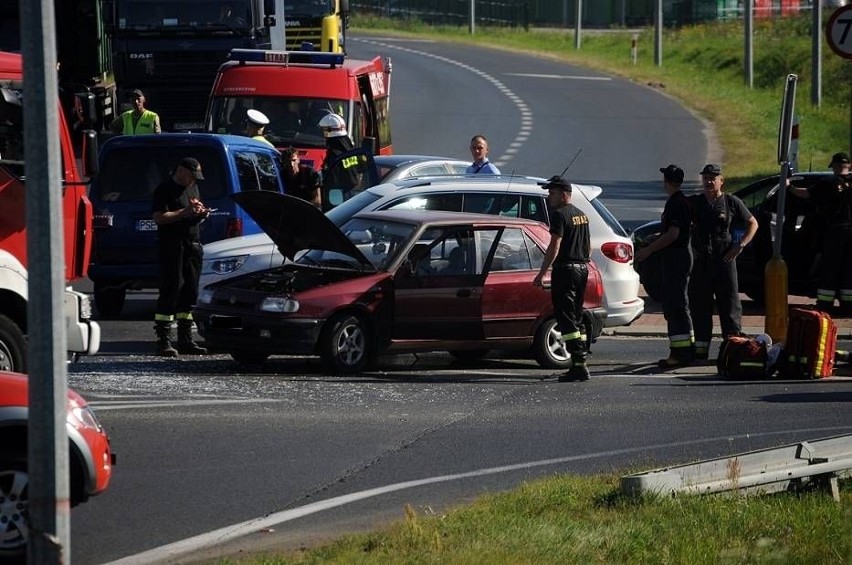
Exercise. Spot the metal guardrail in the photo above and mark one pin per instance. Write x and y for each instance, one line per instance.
(819, 461)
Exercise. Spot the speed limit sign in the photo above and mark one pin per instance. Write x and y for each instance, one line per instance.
(838, 32)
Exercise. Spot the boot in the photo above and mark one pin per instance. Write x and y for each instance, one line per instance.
(576, 373)
(678, 357)
(163, 329)
(184, 344)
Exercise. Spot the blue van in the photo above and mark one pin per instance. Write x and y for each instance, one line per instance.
(124, 255)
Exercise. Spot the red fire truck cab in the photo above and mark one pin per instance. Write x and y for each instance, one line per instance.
(83, 334)
(295, 89)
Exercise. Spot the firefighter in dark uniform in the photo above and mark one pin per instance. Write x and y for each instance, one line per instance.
(714, 249)
(833, 197)
(568, 253)
(344, 175)
(675, 264)
(177, 211)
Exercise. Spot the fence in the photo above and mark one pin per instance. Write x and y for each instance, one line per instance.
(506, 13)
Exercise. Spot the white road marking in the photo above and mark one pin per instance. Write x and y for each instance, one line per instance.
(526, 114)
(228, 533)
(560, 77)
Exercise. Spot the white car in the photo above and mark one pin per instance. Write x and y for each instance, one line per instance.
(507, 195)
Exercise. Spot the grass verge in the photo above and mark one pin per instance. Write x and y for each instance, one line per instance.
(569, 519)
(703, 69)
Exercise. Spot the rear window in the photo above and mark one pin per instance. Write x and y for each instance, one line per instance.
(610, 220)
(132, 174)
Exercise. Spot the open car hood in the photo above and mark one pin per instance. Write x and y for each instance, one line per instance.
(294, 224)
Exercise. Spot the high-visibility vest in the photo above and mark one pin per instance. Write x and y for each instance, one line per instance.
(263, 139)
(146, 123)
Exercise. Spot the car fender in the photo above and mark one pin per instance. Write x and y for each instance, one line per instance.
(13, 275)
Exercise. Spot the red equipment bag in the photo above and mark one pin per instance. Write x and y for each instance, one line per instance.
(742, 357)
(810, 345)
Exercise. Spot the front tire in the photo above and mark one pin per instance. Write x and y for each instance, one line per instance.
(14, 510)
(109, 301)
(346, 345)
(549, 349)
(13, 346)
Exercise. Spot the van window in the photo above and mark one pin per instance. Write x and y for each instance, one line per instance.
(130, 174)
(256, 171)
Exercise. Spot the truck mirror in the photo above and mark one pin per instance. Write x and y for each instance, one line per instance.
(86, 104)
(90, 153)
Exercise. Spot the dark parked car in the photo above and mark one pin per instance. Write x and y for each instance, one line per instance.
(390, 281)
(800, 242)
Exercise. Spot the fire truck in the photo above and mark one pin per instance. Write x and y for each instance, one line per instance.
(83, 334)
(295, 89)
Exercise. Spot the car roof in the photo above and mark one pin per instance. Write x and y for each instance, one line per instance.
(398, 160)
(464, 183)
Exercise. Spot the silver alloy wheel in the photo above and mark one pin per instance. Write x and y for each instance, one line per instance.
(556, 346)
(351, 343)
(14, 510)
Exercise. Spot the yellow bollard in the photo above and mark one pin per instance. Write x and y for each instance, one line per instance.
(775, 286)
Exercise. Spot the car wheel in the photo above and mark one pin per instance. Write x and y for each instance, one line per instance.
(109, 301)
(14, 510)
(469, 355)
(13, 346)
(249, 356)
(549, 349)
(345, 346)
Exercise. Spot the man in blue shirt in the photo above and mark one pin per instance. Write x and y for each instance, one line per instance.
(479, 151)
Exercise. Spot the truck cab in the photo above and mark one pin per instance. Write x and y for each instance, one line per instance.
(83, 334)
(295, 89)
(320, 23)
(132, 166)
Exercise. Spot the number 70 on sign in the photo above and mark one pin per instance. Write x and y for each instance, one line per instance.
(838, 31)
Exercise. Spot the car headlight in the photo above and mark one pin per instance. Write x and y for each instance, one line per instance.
(205, 296)
(227, 265)
(283, 304)
(85, 416)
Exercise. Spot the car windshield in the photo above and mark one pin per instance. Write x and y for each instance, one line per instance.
(165, 15)
(292, 120)
(380, 241)
(342, 213)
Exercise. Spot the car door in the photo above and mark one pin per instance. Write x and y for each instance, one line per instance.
(439, 292)
(511, 305)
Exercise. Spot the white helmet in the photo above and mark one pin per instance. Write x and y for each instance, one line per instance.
(333, 125)
(257, 117)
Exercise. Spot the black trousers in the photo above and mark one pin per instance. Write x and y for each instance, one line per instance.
(835, 267)
(568, 287)
(676, 264)
(713, 281)
(180, 268)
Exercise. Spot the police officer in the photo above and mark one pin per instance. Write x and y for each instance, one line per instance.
(344, 175)
(568, 253)
(137, 120)
(833, 197)
(714, 271)
(675, 264)
(256, 122)
(177, 211)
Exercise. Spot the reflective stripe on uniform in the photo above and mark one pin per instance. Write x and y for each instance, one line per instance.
(825, 295)
(184, 315)
(680, 340)
(163, 317)
(846, 294)
(571, 336)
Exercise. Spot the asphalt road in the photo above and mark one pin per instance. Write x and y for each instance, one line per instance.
(203, 445)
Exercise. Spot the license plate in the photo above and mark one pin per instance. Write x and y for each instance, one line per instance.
(146, 225)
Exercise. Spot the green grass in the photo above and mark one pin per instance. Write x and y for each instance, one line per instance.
(703, 69)
(569, 519)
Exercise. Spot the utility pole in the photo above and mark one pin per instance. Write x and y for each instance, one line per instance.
(578, 24)
(658, 34)
(47, 449)
(749, 43)
(816, 54)
(472, 16)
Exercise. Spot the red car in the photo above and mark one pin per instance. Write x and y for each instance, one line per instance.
(89, 454)
(390, 281)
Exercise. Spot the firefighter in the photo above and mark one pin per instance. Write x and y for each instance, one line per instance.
(256, 122)
(714, 270)
(345, 175)
(138, 119)
(833, 197)
(675, 264)
(568, 252)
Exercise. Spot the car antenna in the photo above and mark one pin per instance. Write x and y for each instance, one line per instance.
(580, 150)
